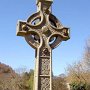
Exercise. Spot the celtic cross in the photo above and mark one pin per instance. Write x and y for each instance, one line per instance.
(43, 32)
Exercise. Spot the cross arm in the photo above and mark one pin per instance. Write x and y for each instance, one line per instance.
(21, 28)
(58, 35)
(65, 33)
(31, 35)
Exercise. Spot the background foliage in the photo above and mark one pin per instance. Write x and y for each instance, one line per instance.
(77, 76)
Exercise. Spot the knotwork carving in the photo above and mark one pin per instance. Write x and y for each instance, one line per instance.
(45, 83)
(44, 52)
(45, 64)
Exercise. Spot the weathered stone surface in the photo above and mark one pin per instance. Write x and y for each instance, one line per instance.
(43, 32)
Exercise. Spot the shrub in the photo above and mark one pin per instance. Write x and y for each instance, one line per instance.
(78, 86)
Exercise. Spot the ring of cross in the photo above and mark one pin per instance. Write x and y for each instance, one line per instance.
(43, 28)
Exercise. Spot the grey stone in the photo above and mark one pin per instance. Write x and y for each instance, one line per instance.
(43, 32)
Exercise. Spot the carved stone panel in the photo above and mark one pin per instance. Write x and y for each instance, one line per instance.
(44, 52)
(45, 64)
(45, 83)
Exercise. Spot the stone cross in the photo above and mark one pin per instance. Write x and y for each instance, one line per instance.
(43, 32)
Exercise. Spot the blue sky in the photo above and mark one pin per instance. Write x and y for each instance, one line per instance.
(14, 50)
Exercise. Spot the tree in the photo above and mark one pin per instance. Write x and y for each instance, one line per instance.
(86, 58)
(59, 83)
(79, 72)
